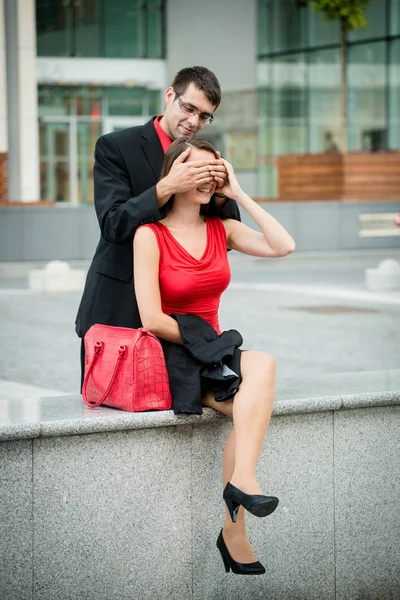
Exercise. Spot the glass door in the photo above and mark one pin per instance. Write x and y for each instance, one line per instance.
(88, 133)
(55, 167)
(67, 154)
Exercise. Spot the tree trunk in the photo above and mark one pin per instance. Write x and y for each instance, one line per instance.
(343, 69)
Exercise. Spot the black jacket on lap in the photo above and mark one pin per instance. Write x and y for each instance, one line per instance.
(205, 362)
(126, 170)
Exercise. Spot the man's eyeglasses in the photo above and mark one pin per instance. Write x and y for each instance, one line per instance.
(191, 111)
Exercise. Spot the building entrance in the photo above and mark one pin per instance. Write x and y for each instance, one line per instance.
(67, 154)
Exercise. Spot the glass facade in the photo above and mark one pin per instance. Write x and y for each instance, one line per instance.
(72, 118)
(299, 97)
(119, 29)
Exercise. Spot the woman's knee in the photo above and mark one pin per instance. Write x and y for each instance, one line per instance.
(258, 364)
(225, 407)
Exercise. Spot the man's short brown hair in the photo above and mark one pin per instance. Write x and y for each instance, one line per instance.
(202, 78)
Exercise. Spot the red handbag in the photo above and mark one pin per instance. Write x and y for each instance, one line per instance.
(125, 368)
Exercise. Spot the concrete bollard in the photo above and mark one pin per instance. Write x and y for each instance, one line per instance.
(385, 277)
(57, 276)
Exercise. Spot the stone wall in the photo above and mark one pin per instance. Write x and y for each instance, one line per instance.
(101, 504)
(3, 177)
(71, 233)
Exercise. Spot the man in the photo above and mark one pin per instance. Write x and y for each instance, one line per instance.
(128, 193)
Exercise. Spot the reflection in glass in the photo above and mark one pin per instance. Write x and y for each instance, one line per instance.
(88, 101)
(124, 30)
(87, 28)
(375, 14)
(282, 116)
(54, 161)
(54, 180)
(289, 110)
(394, 95)
(288, 26)
(394, 17)
(126, 101)
(155, 107)
(54, 33)
(154, 27)
(62, 181)
(266, 171)
(52, 101)
(324, 100)
(367, 107)
(264, 26)
(88, 134)
(320, 31)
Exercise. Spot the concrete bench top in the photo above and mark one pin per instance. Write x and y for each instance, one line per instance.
(68, 415)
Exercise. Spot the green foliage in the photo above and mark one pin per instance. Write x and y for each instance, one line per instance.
(349, 12)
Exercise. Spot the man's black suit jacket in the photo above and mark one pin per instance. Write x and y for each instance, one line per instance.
(126, 170)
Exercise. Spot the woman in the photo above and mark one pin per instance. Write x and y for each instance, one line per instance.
(189, 232)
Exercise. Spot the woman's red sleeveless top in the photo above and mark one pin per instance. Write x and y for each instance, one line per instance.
(188, 285)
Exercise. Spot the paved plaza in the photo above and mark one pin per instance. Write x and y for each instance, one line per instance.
(311, 311)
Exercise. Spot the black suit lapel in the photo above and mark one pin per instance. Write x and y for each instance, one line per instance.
(152, 147)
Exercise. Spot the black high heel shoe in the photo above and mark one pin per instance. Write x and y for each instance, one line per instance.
(258, 505)
(254, 568)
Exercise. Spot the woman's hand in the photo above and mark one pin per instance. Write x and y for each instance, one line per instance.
(231, 189)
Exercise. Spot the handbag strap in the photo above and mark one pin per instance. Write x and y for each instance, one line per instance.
(98, 348)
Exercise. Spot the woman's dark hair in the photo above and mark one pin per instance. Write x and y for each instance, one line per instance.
(202, 78)
(175, 150)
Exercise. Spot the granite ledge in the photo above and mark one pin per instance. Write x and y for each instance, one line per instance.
(67, 415)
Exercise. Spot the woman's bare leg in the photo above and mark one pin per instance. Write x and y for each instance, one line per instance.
(235, 535)
(251, 412)
(252, 408)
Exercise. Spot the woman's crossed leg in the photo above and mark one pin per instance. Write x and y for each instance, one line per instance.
(251, 411)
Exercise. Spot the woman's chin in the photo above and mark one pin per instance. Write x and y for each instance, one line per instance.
(203, 198)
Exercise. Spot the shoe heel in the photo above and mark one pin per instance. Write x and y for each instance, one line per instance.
(233, 508)
(226, 563)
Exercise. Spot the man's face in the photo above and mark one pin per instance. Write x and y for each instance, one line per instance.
(177, 120)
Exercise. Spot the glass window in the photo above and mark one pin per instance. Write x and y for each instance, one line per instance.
(264, 26)
(321, 31)
(54, 161)
(395, 17)
(88, 134)
(375, 13)
(282, 112)
(54, 31)
(87, 30)
(266, 171)
(154, 99)
(52, 101)
(124, 29)
(125, 101)
(366, 101)
(288, 25)
(324, 100)
(288, 104)
(88, 101)
(394, 95)
(154, 29)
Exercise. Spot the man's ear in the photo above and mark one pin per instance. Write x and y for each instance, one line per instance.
(169, 95)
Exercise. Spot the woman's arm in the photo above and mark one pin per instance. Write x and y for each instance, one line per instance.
(146, 259)
(273, 242)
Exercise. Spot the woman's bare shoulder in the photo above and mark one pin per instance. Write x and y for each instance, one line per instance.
(144, 235)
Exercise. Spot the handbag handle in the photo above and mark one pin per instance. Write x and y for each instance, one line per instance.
(98, 348)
